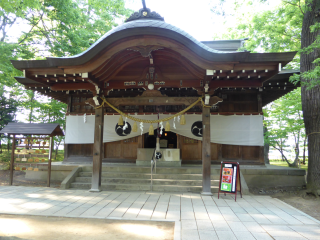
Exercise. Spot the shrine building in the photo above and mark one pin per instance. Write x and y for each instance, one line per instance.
(206, 97)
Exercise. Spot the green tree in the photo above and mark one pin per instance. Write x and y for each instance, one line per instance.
(284, 121)
(8, 109)
(53, 112)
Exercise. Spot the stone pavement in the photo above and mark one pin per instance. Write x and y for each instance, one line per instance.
(195, 216)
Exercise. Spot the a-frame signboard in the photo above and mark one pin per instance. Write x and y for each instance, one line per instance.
(229, 182)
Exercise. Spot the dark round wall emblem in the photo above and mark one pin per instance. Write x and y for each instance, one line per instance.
(121, 132)
(196, 129)
(158, 155)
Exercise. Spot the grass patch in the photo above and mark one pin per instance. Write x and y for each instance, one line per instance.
(60, 156)
(281, 163)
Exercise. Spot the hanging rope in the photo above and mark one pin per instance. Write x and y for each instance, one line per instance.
(149, 121)
(312, 133)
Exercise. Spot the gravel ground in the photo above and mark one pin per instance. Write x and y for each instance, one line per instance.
(296, 197)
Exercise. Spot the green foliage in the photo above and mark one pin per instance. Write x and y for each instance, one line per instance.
(52, 112)
(5, 156)
(8, 108)
(68, 27)
(277, 30)
(60, 156)
(7, 71)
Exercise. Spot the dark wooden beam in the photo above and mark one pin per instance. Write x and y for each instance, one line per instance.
(234, 83)
(206, 152)
(120, 84)
(259, 102)
(97, 150)
(150, 101)
(72, 86)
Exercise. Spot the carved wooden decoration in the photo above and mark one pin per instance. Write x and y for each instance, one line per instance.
(145, 51)
(215, 100)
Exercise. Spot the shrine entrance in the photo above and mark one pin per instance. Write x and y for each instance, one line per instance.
(147, 64)
(167, 140)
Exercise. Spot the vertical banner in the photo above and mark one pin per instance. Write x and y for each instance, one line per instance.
(230, 178)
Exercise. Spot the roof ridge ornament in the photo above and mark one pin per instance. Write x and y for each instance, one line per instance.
(144, 4)
(145, 13)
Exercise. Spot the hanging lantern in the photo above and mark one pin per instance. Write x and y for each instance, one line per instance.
(120, 122)
(183, 120)
(135, 127)
(151, 130)
(167, 128)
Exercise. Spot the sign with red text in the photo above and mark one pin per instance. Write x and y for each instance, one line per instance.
(230, 178)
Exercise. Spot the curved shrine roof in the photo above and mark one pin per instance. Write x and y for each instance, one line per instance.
(121, 59)
(143, 27)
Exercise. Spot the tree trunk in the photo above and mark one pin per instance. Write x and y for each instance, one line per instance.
(8, 145)
(56, 153)
(311, 97)
(297, 151)
(31, 108)
(284, 158)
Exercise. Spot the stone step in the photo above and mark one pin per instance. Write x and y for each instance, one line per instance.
(162, 170)
(146, 181)
(144, 187)
(148, 175)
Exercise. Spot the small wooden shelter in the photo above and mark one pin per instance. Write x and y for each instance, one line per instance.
(147, 67)
(42, 129)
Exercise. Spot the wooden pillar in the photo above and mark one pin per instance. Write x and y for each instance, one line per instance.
(12, 159)
(69, 110)
(178, 141)
(140, 142)
(220, 152)
(206, 152)
(261, 154)
(66, 151)
(97, 150)
(259, 102)
(49, 162)
(261, 148)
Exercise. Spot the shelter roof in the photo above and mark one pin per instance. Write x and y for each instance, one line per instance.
(226, 45)
(51, 129)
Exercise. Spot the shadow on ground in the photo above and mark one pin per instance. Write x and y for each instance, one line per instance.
(46, 228)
